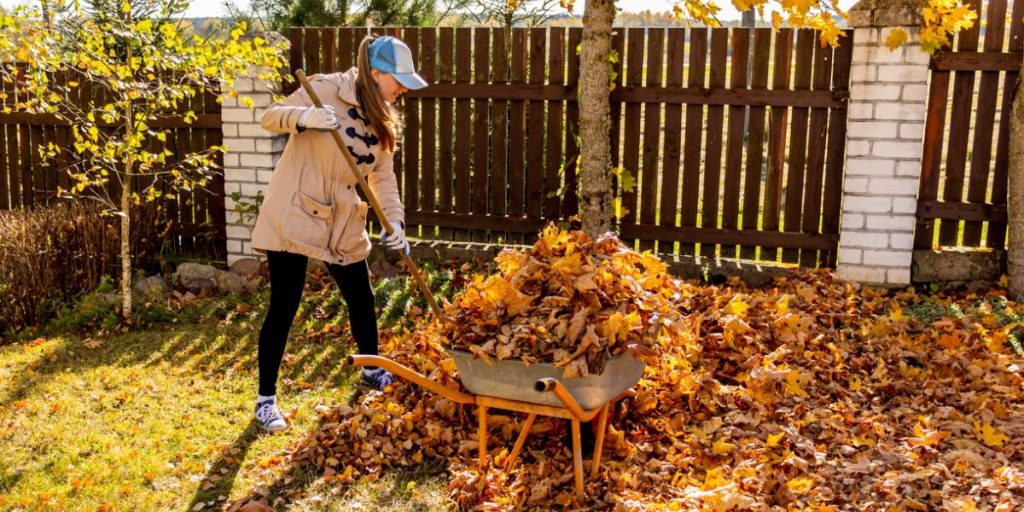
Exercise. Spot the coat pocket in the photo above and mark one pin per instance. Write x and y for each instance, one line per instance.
(353, 238)
(309, 221)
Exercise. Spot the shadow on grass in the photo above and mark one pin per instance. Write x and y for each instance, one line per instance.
(203, 349)
(221, 478)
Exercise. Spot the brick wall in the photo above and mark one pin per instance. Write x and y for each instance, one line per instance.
(249, 162)
(888, 94)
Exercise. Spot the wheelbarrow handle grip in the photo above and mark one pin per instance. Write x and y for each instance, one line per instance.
(550, 384)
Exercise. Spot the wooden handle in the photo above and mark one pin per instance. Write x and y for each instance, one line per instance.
(372, 199)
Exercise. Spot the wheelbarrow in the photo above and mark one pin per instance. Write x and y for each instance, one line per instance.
(532, 389)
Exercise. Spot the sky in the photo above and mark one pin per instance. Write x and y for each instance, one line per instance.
(214, 8)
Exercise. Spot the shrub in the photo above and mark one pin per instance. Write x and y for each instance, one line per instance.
(51, 255)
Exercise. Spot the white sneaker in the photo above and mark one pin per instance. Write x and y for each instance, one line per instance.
(268, 417)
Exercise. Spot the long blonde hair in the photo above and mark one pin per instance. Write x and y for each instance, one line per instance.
(385, 119)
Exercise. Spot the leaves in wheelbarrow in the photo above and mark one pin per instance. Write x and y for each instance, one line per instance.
(569, 300)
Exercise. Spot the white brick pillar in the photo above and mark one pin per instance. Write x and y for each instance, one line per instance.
(249, 161)
(888, 94)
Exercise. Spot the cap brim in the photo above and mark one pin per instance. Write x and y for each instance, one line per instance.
(411, 81)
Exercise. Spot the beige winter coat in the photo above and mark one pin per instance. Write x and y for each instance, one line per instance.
(311, 206)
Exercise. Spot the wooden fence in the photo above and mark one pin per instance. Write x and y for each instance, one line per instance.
(970, 123)
(754, 166)
(195, 221)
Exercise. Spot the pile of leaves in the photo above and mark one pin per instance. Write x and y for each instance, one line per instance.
(807, 394)
(569, 300)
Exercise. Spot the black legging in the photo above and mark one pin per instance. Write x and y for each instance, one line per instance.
(287, 278)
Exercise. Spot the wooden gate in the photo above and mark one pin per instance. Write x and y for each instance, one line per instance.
(969, 123)
(752, 170)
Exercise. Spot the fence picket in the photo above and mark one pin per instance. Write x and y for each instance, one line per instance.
(481, 72)
(715, 136)
(535, 127)
(517, 133)
(805, 40)
(463, 127)
(428, 108)
(777, 119)
(737, 128)
(555, 118)
(632, 140)
(570, 205)
(755, 139)
(668, 207)
(694, 131)
(835, 156)
(810, 222)
(446, 162)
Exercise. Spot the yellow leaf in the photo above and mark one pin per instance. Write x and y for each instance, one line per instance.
(990, 435)
(964, 504)
(714, 478)
(722, 448)
(897, 37)
(793, 385)
(782, 305)
(800, 484)
(896, 315)
(774, 439)
(737, 307)
(859, 441)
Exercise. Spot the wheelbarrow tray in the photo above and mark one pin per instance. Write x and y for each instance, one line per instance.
(513, 379)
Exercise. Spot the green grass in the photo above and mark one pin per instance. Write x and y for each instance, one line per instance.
(160, 418)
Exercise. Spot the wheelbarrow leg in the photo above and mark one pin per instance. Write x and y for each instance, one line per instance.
(481, 434)
(577, 458)
(602, 427)
(520, 442)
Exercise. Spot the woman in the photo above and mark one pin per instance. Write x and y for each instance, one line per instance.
(312, 210)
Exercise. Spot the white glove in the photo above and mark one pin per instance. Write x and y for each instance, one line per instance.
(319, 118)
(397, 240)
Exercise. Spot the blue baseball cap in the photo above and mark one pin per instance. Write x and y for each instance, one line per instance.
(392, 56)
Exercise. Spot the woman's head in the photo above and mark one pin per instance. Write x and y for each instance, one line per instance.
(386, 71)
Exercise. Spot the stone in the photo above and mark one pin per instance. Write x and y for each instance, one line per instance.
(953, 264)
(109, 299)
(885, 13)
(152, 285)
(255, 507)
(383, 269)
(231, 283)
(196, 277)
(247, 267)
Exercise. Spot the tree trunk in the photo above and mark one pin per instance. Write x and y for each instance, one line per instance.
(1014, 204)
(126, 253)
(126, 195)
(595, 117)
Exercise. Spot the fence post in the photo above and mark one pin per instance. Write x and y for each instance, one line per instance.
(888, 95)
(249, 161)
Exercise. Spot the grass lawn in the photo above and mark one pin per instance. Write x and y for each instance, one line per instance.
(161, 418)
